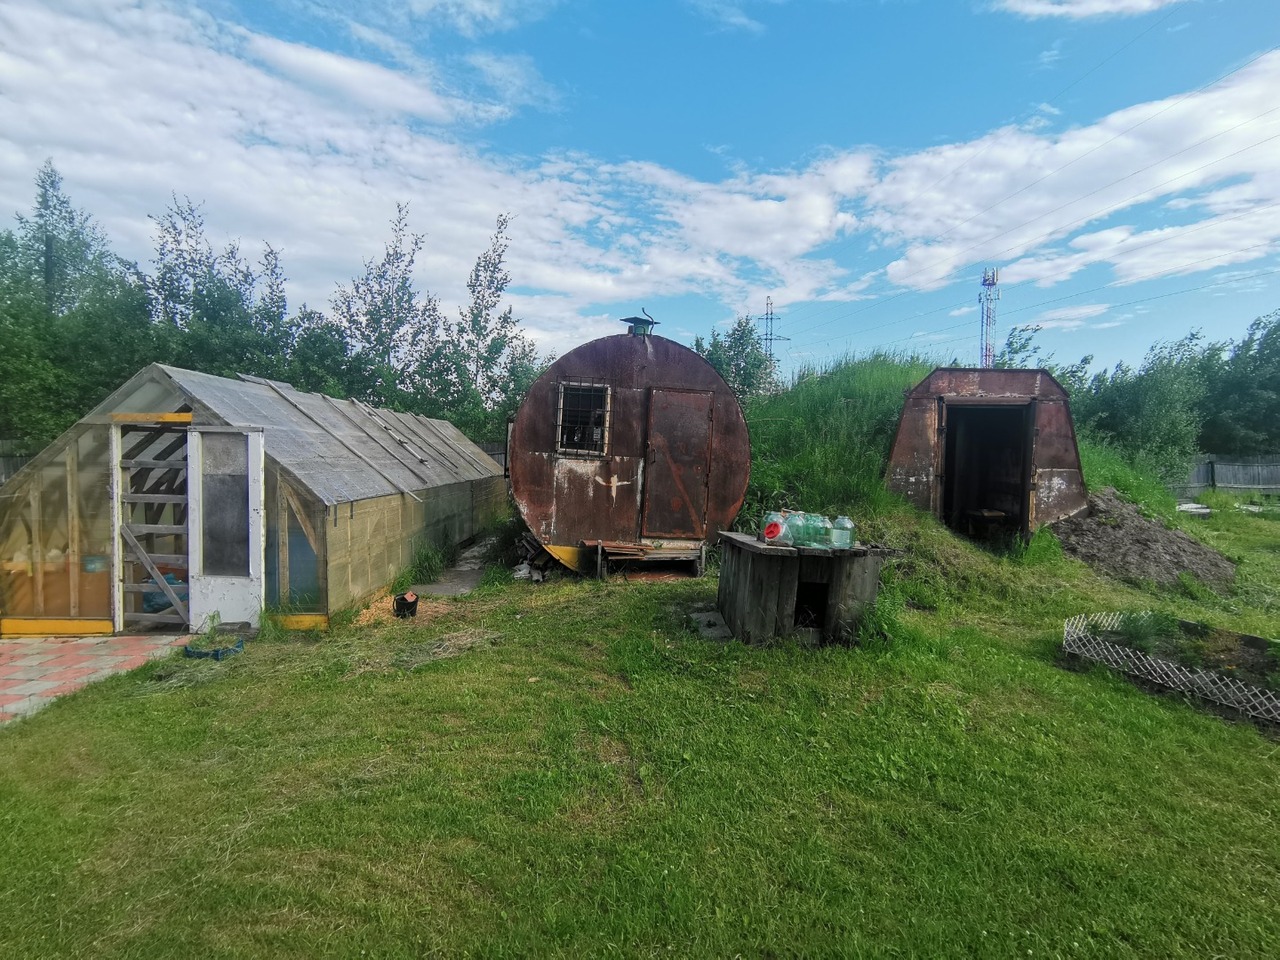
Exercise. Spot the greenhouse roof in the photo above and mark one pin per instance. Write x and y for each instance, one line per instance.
(340, 450)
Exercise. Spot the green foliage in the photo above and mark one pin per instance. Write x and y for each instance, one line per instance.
(822, 445)
(1143, 630)
(739, 356)
(1104, 465)
(76, 322)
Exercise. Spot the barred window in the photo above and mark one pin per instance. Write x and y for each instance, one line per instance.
(582, 425)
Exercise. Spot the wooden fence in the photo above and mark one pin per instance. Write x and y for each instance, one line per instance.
(1237, 474)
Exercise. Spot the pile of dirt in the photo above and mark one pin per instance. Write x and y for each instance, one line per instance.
(1116, 539)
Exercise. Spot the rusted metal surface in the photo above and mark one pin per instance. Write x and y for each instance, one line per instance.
(649, 447)
(973, 440)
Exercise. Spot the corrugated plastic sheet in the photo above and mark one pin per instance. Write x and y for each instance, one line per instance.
(341, 450)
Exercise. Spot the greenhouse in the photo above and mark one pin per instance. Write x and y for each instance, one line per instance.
(185, 499)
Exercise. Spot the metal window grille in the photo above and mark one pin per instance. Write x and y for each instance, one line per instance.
(582, 418)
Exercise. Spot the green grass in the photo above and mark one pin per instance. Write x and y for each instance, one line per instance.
(587, 777)
(564, 769)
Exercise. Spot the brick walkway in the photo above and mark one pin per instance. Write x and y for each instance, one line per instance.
(34, 672)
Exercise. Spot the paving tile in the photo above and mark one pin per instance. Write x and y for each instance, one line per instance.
(69, 673)
(64, 688)
(30, 705)
(34, 659)
(22, 673)
(8, 699)
(5, 716)
(33, 687)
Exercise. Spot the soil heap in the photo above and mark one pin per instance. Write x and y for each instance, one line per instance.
(1116, 539)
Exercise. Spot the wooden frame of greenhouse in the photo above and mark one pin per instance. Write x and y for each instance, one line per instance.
(185, 499)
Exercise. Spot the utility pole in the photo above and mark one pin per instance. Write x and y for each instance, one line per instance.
(987, 302)
(769, 336)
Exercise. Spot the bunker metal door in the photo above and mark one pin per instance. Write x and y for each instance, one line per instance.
(678, 457)
(226, 514)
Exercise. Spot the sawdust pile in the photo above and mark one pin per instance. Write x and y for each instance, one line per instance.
(381, 611)
(1118, 540)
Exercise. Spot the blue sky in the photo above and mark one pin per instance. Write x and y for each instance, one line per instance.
(860, 162)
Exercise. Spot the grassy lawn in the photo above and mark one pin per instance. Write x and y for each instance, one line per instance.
(588, 778)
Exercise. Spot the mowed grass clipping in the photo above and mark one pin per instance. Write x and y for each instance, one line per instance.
(583, 776)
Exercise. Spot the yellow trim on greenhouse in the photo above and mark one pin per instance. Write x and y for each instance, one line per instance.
(51, 627)
(303, 621)
(151, 417)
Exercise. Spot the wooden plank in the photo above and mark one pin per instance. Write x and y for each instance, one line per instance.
(73, 525)
(151, 417)
(161, 618)
(115, 476)
(788, 583)
(157, 529)
(303, 520)
(303, 621)
(156, 575)
(169, 559)
(766, 597)
(37, 543)
(55, 627)
(725, 589)
(144, 464)
(282, 543)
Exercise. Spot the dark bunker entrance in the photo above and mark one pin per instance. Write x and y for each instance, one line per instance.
(986, 480)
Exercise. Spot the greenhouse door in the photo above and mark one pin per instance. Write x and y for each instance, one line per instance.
(227, 504)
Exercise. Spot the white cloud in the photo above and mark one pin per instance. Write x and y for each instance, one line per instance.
(133, 99)
(1080, 9)
(729, 15)
(1073, 318)
(1013, 194)
(962, 311)
(470, 18)
(360, 83)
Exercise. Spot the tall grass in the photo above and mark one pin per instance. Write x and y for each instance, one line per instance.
(822, 445)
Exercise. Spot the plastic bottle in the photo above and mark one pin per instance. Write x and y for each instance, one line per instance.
(842, 533)
(774, 529)
(797, 528)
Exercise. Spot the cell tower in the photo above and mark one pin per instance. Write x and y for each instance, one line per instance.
(987, 302)
(769, 336)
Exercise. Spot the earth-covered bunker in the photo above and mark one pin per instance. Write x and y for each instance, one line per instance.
(986, 449)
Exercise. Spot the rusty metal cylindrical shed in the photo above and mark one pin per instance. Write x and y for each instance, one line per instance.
(629, 440)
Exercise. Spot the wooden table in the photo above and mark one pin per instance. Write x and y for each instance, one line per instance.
(769, 591)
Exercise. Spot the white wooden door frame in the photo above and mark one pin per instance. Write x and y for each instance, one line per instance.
(234, 599)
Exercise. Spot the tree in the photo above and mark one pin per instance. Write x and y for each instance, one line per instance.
(73, 317)
(397, 330)
(490, 363)
(219, 313)
(1242, 393)
(740, 358)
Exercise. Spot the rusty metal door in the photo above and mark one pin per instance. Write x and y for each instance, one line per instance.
(678, 455)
